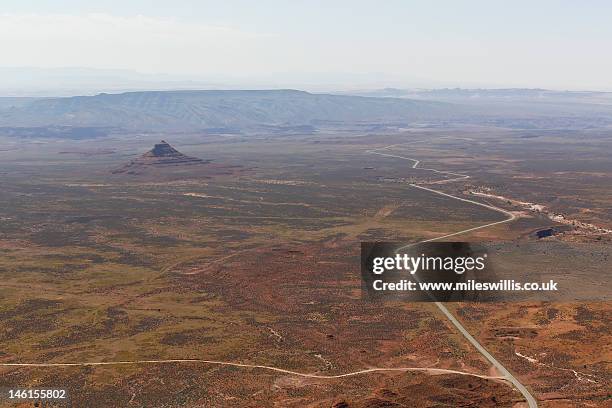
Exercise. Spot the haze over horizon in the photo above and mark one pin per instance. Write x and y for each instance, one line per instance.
(69, 45)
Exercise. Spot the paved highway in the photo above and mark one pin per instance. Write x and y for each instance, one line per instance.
(531, 401)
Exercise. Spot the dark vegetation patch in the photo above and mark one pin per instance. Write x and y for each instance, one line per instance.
(29, 306)
(519, 332)
(584, 316)
(134, 259)
(195, 336)
(56, 237)
(573, 335)
(56, 270)
(146, 324)
(31, 324)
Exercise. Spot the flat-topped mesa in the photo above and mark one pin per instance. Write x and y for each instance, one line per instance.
(161, 155)
(162, 149)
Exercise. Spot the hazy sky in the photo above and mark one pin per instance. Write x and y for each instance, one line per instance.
(554, 44)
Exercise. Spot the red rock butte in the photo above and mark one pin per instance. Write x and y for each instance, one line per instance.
(161, 155)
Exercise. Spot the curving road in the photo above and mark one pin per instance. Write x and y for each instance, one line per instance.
(531, 401)
(263, 367)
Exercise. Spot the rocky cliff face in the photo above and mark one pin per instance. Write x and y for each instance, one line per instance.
(161, 155)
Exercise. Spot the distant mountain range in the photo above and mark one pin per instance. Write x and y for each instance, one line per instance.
(186, 110)
(298, 112)
(487, 93)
